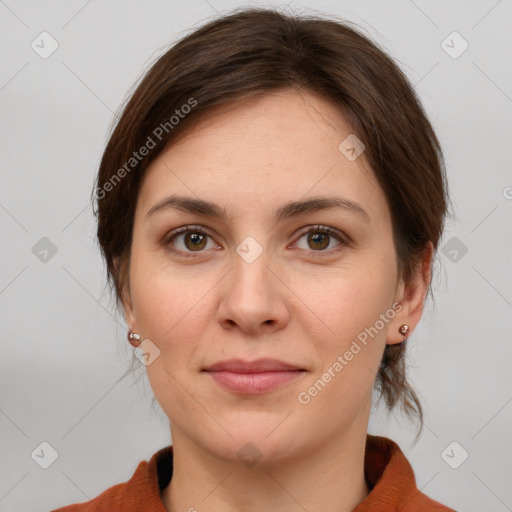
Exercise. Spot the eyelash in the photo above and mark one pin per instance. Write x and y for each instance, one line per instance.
(313, 229)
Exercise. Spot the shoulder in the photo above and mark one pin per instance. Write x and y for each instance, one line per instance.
(392, 482)
(111, 500)
(423, 502)
(142, 490)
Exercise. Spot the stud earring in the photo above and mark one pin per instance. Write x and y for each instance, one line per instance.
(134, 339)
(403, 329)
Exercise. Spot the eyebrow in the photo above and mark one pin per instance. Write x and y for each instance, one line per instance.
(288, 210)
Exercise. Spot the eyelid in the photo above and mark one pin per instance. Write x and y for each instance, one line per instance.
(193, 228)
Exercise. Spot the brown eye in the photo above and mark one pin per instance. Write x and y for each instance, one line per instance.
(318, 241)
(195, 241)
(188, 240)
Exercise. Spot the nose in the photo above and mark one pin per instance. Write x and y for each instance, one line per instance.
(254, 297)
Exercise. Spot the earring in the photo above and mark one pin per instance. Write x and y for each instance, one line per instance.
(403, 329)
(134, 339)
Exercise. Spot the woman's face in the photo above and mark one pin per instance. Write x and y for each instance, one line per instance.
(264, 281)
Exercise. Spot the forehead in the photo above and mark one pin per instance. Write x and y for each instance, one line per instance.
(268, 149)
(278, 119)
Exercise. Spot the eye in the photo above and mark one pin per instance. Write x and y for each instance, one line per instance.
(320, 238)
(189, 239)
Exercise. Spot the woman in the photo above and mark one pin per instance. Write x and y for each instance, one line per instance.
(268, 207)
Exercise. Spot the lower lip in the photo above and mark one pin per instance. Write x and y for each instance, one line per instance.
(254, 383)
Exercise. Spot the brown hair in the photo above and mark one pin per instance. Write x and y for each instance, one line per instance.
(253, 51)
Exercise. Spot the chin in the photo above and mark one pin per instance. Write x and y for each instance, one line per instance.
(257, 445)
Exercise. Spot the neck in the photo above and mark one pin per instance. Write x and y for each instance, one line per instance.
(328, 477)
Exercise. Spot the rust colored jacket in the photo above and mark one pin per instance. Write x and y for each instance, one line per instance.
(388, 473)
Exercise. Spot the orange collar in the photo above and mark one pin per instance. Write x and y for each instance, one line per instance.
(389, 476)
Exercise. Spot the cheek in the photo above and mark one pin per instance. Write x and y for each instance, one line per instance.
(355, 307)
(350, 349)
(167, 300)
(350, 300)
(170, 311)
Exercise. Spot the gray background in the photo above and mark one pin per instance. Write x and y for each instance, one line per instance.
(62, 346)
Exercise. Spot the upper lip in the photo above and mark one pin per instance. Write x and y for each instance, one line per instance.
(256, 366)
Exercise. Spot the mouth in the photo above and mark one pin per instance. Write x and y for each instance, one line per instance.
(253, 377)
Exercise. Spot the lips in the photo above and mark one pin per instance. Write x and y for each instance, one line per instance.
(257, 366)
(253, 377)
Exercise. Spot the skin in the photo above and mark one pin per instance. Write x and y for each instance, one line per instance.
(294, 303)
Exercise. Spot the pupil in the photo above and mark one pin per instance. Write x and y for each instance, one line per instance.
(318, 238)
(196, 239)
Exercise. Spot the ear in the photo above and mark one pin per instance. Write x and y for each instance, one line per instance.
(126, 297)
(411, 297)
